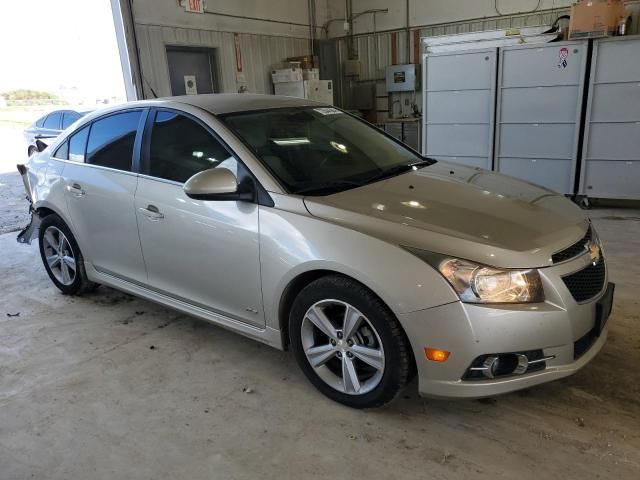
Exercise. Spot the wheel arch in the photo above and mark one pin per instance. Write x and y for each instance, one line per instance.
(44, 209)
(303, 279)
(295, 286)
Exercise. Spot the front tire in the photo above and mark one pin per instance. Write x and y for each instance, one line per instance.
(62, 257)
(348, 343)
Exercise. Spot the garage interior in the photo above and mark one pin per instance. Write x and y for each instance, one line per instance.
(110, 386)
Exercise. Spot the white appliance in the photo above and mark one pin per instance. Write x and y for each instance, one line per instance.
(290, 89)
(318, 90)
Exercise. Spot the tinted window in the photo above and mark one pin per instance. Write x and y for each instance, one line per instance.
(53, 121)
(40, 121)
(181, 147)
(111, 140)
(78, 144)
(68, 118)
(63, 151)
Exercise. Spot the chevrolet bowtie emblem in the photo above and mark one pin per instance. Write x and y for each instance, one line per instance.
(594, 252)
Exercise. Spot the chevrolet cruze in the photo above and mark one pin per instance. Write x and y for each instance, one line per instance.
(303, 227)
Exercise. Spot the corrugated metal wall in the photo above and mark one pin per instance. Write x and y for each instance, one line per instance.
(374, 50)
(259, 54)
(375, 53)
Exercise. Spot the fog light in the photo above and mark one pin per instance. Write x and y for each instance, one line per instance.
(436, 355)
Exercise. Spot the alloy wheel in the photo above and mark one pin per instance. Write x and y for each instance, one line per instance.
(59, 255)
(343, 347)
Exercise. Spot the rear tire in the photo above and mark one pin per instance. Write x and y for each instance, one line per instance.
(361, 357)
(62, 257)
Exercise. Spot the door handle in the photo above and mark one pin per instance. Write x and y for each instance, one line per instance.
(75, 190)
(152, 212)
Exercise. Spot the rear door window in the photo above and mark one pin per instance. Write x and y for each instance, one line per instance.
(52, 122)
(111, 140)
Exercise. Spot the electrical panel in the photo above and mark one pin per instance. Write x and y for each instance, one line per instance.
(401, 78)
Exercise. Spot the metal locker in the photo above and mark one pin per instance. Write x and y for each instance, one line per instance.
(611, 148)
(394, 129)
(411, 134)
(539, 103)
(458, 106)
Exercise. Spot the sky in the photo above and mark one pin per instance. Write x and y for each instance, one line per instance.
(46, 45)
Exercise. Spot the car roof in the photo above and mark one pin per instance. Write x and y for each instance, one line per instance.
(222, 103)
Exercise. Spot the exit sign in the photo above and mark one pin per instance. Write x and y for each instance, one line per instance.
(194, 6)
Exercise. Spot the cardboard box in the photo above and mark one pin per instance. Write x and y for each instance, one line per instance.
(306, 61)
(595, 18)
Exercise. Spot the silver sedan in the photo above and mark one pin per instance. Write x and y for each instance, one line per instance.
(303, 227)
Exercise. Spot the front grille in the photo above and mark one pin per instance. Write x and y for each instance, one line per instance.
(586, 283)
(574, 250)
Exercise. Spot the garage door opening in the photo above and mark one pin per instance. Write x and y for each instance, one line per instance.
(192, 71)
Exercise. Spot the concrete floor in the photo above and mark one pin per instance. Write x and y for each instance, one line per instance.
(109, 386)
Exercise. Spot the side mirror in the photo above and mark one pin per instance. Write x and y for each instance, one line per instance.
(217, 184)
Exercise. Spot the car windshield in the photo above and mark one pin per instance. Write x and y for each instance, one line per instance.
(321, 150)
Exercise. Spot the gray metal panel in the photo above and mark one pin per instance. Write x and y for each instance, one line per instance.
(460, 70)
(540, 65)
(552, 173)
(538, 112)
(537, 140)
(458, 106)
(616, 62)
(458, 140)
(611, 151)
(616, 102)
(612, 179)
(605, 140)
(542, 105)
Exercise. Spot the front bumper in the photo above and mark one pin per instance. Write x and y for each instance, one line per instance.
(469, 331)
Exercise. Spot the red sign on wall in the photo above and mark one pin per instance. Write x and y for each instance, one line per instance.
(236, 39)
(194, 6)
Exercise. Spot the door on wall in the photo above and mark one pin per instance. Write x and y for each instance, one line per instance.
(191, 70)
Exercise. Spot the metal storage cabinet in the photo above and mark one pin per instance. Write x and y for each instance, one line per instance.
(540, 91)
(458, 105)
(407, 132)
(611, 149)
(411, 134)
(394, 129)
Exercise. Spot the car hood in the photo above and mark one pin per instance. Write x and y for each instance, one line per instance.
(460, 211)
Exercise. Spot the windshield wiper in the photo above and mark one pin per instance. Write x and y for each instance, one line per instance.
(397, 170)
(328, 187)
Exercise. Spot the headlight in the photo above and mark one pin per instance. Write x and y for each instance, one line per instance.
(479, 284)
(476, 283)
